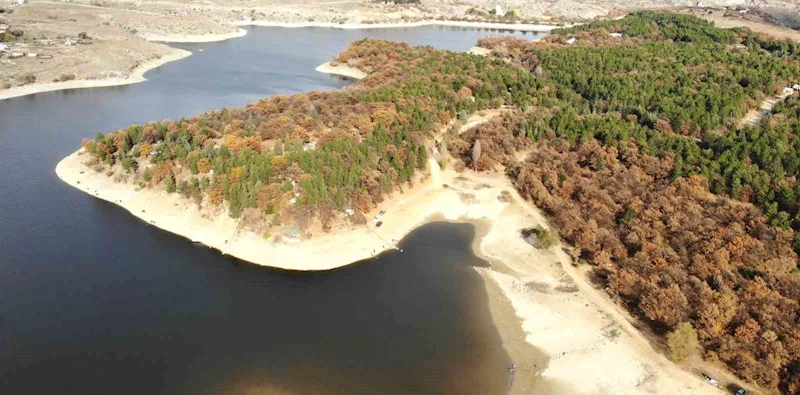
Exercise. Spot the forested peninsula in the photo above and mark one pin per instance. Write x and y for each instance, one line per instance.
(625, 133)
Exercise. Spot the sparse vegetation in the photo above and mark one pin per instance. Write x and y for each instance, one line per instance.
(28, 79)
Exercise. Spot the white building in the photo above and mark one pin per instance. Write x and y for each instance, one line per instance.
(572, 41)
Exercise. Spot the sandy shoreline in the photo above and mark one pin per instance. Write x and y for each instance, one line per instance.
(322, 252)
(343, 71)
(551, 325)
(136, 75)
(579, 329)
(523, 27)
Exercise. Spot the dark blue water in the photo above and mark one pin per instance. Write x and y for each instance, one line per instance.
(95, 301)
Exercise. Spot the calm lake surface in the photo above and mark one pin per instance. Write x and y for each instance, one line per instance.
(95, 301)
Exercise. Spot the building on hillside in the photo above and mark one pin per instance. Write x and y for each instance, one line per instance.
(348, 209)
(310, 146)
(615, 35)
(498, 10)
(572, 40)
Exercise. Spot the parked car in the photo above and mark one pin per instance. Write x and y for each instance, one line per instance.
(741, 391)
(382, 212)
(378, 225)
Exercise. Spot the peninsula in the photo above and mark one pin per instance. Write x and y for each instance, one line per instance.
(626, 134)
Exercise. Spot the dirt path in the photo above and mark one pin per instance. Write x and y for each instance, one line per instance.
(753, 117)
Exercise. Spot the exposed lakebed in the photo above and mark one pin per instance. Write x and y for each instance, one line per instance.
(93, 300)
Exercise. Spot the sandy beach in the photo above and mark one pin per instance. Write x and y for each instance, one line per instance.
(322, 252)
(578, 327)
(341, 70)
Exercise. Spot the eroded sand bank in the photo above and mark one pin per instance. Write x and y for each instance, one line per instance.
(341, 70)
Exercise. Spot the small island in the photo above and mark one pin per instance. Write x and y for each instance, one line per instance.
(626, 134)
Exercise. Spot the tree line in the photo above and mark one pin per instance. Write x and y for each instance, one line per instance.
(689, 220)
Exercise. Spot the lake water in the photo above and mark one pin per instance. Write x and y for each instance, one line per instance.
(95, 301)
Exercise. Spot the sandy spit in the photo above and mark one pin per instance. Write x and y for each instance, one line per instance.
(136, 75)
(322, 252)
(524, 27)
(341, 70)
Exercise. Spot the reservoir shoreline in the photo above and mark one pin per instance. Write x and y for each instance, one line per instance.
(137, 75)
(534, 295)
(522, 27)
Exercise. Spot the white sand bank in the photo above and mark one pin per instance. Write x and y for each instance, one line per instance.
(523, 27)
(476, 50)
(136, 75)
(593, 348)
(322, 252)
(341, 70)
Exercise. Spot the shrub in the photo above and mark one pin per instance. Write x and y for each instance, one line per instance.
(682, 342)
(546, 237)
(28, 79)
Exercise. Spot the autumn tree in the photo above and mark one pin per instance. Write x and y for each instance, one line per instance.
(476, 153)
